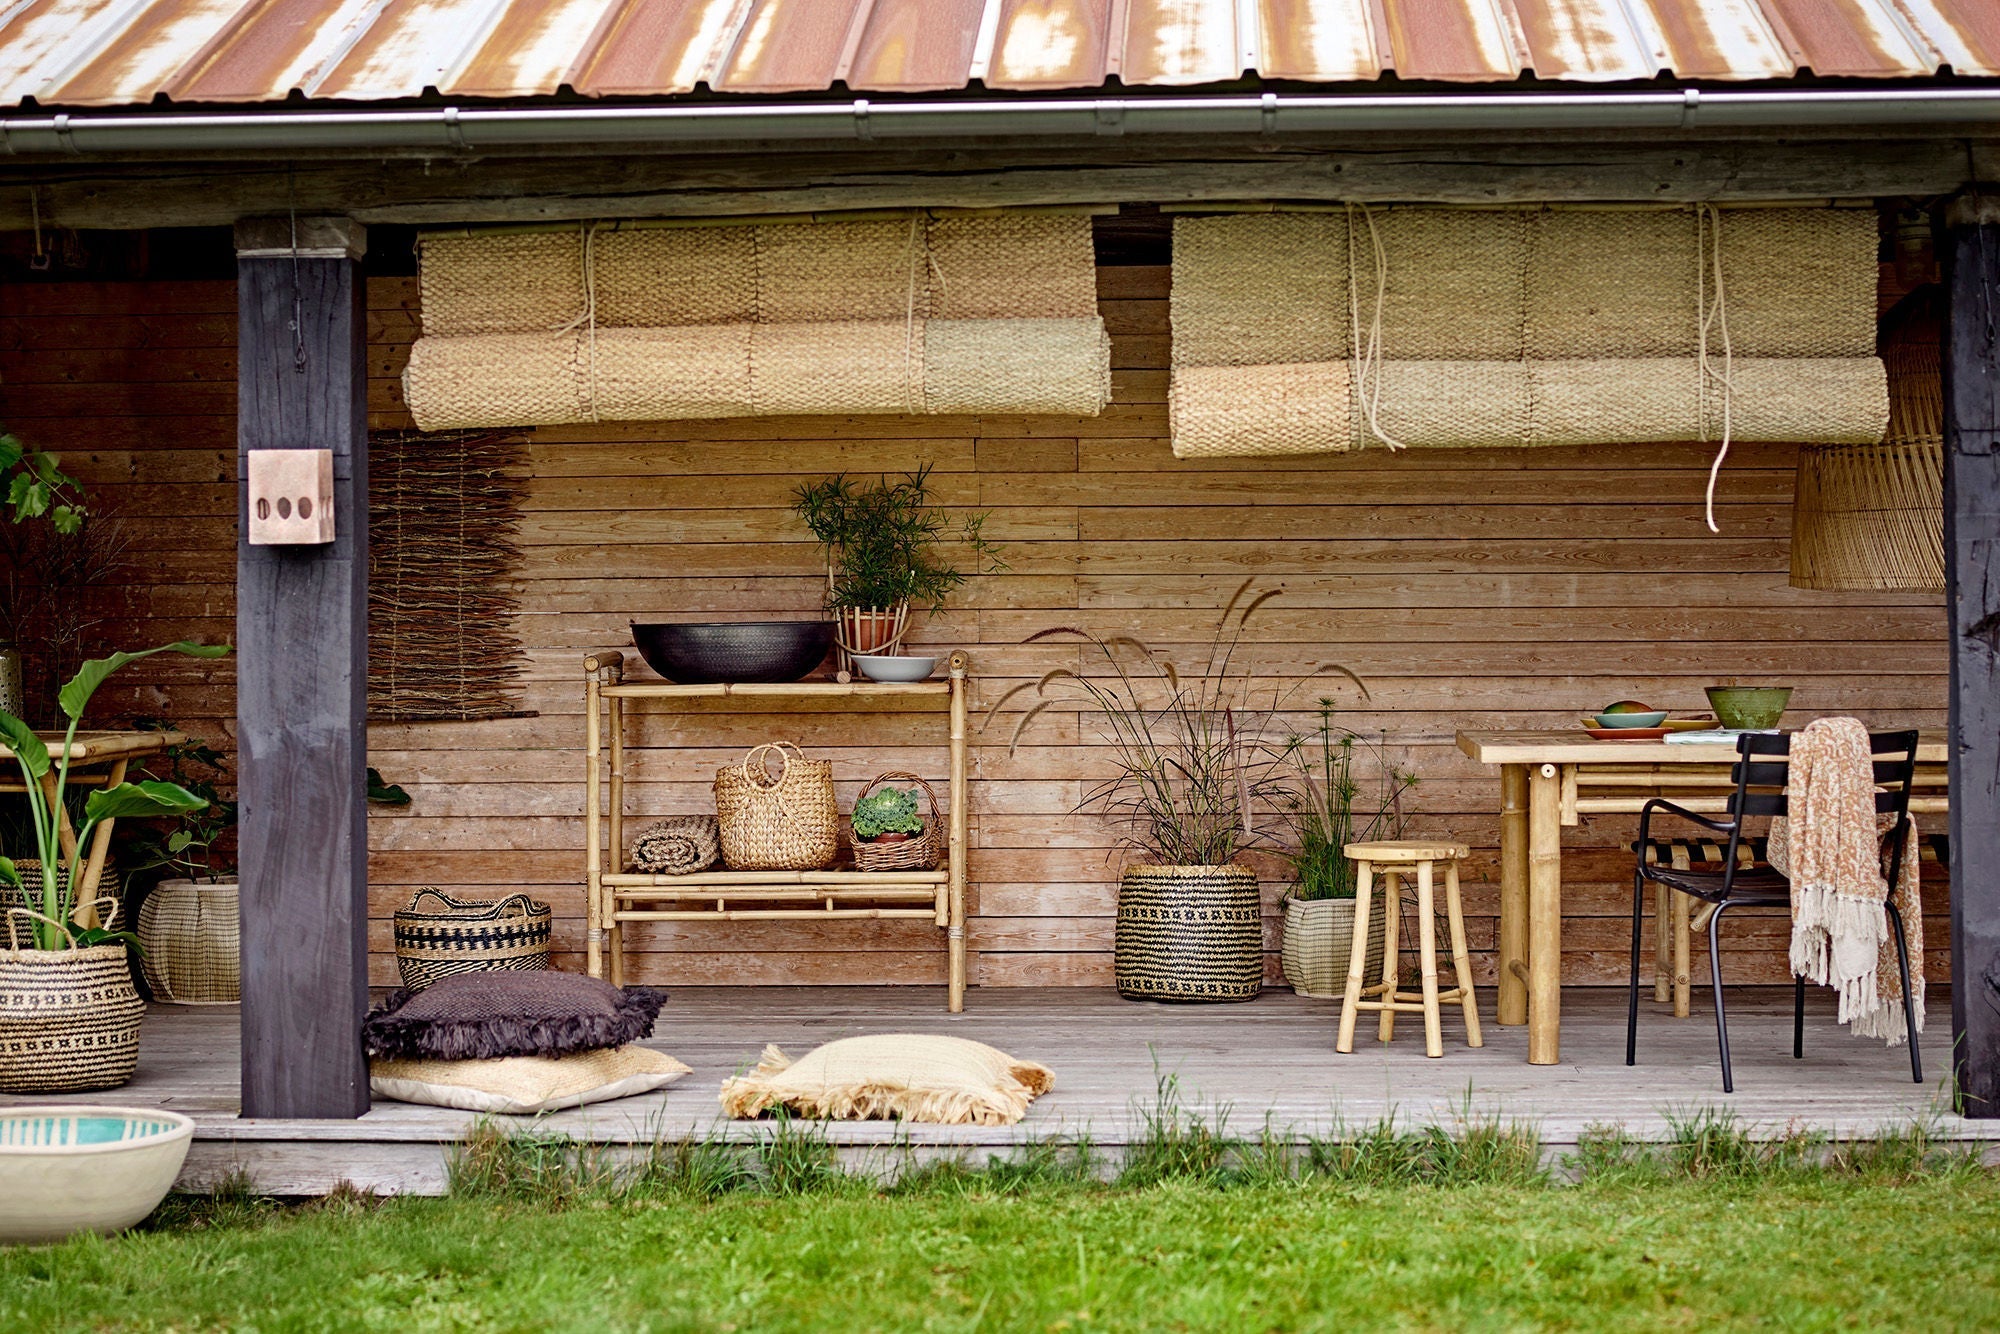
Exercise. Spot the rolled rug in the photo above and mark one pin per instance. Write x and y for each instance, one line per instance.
(681, 845)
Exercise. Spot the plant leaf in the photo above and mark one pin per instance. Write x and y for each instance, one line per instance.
(385, 793)
(148, 796)
(28, 748)
(76, 693)
(10, 450)
(10, 873)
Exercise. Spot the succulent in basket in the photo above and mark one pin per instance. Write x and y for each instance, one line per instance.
(887, 815)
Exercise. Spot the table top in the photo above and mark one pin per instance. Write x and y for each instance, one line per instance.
(1574, 746)
(103, 747)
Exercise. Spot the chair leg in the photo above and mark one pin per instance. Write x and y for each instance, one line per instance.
(1461, 961)
(1632, 1000)
(1357, 957)
(1909, 1001)
(1392, 921)
(1715, 978)
(1798, 1018)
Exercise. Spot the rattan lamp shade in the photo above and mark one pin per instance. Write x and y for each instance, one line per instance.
(1871, 517)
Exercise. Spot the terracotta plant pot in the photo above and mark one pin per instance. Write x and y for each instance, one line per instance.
(868, 631)
(1189, 933)
(1318, 944)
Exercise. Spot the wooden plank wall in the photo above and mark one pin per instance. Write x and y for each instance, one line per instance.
(1484, 588)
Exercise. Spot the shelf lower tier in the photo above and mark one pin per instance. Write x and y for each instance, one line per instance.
(624, 915)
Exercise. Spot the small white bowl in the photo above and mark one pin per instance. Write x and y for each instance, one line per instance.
(80, 1168)
(894, 667)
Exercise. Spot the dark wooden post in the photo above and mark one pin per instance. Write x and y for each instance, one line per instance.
(302, 676)
(1972, 563)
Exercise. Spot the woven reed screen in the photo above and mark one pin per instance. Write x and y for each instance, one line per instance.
(957, 313)
(1453, 328)
(442, 514)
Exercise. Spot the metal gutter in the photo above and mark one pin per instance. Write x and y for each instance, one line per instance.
(455, 129)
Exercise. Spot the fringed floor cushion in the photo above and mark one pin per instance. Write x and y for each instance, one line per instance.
(894, 1076)
(526, 1085)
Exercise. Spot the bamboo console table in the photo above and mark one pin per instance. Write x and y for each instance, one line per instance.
(615, 896)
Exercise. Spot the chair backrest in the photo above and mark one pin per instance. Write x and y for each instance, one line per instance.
(1764, 764)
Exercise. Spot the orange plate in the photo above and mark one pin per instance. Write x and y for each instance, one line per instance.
(1627, 733)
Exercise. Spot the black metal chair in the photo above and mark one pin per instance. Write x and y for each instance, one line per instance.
(1759, 776)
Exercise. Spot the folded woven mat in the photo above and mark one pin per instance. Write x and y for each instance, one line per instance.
(681, 845)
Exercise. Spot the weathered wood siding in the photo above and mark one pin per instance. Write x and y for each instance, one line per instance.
(1501, 588)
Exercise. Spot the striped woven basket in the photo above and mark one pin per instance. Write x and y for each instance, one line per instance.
(190, 937)
(1189, 933)
(69, 1019)
(439, 936)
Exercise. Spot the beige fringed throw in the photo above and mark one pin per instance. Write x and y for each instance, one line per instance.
(1831, 851)
(892, 1076)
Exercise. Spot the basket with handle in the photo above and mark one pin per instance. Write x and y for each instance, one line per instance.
(916, 853)
(69, 1019)
(439, 936)
(786, 822)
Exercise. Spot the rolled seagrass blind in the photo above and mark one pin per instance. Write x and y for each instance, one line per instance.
(1450, 328)
(442, 602)
(918, 313)
(1871, 517)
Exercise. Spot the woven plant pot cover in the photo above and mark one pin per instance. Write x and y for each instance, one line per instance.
(1318, 946)
(69, 1020)
(190, 938)
(786, 822)
(439, 936)
(1189, 933)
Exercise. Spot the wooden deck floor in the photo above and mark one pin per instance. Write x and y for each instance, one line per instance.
(1273, 1057)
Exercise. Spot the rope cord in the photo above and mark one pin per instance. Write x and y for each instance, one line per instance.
(587, 318)
(913, 372)
(1368, 355)
(1708, 253)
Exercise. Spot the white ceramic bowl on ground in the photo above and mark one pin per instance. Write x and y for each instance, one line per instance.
(894, 667)
(71, 1169)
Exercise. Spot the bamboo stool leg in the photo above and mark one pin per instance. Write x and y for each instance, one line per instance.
(1428, 961)
(1392, 912)
(1460, 960)
(614, 931)
(1357, 958)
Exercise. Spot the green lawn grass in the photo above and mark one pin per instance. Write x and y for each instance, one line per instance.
(1790, 1250)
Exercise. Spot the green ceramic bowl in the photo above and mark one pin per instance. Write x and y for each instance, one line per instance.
(1749, 706)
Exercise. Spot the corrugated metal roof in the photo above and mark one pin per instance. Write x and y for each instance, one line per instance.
(130, 52)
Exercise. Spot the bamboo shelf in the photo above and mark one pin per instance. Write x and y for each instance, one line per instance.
(615, 897)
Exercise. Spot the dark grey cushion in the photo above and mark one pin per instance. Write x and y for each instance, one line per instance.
(481, 1016)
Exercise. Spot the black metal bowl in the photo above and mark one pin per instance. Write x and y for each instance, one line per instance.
(738, 652)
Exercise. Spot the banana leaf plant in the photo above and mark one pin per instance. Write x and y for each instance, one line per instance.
(53, 929)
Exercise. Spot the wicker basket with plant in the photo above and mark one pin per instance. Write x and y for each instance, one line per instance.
(890, 833)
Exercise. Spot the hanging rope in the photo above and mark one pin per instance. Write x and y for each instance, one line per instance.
(1708, 255)
(39, 261)
(1368, 354)
(913, 371)
(587, 319)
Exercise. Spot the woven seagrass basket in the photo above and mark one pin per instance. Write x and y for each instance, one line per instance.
(1318, 944)
(69, 1019)
(784, 823)
(190, 937)
(1189, 933)
(917, 853)
(439, 936)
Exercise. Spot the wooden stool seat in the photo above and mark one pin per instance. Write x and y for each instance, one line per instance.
(1387, 996)
(1402, 851)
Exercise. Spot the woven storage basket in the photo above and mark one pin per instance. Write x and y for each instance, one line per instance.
(1189, 933)
(190, 938)
(1260, 289)
(1318, 946)
(783, 823)
(920, 853)
(109, 886)
(1246, 411)
(1017, 366)
(69, 1019)
(1013, 266)
(446, 936)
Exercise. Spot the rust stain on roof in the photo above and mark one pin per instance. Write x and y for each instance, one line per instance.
(130, 52)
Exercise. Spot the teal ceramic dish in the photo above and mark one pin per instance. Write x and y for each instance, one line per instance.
(1620, 721)
(1748, 708)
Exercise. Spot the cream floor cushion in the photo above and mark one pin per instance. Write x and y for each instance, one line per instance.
(525, 1085)
(892, 1076)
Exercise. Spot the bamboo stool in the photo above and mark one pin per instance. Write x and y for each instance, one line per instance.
(1422, 854)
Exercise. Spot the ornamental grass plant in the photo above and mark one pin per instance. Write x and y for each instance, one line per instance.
(1347, 790)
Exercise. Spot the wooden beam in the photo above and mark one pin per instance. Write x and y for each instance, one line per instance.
(581, 184)
(1972, 557)
(301, 678)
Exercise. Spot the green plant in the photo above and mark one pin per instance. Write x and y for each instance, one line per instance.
(37, 487)
(189, 845)
(141, 798)
(1322, 810)
(1191, 751)
(887, 810)
(885, 542)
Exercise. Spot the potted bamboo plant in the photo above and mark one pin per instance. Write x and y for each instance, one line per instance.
(1196, 779)
(1347, 791)
(887, 551)
(69, 1015)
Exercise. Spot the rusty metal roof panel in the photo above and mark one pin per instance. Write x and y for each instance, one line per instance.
(129, 52)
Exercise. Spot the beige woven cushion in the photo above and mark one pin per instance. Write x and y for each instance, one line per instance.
(894, 1076)
(525, 1085)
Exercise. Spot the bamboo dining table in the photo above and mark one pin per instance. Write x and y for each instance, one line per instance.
(1550, 779)
(96, 759)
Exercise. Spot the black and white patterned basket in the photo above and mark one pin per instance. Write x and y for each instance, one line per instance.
(1189, 933)
(439, 936)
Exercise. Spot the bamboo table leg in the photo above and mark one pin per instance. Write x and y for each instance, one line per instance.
(1544, 915)
(1662, 943)
(593, 836)
(93, 864)
(614, 932)
(1683, 980)
(1511, 986)
(956, 845)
